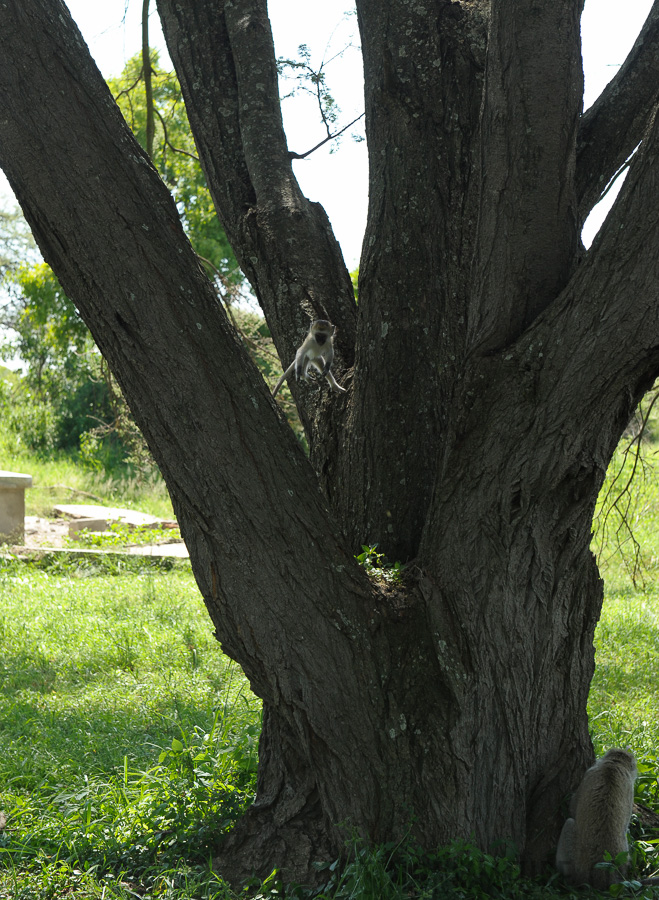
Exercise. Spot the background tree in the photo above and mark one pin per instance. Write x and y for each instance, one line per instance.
(174, 155)
(67, 395)
(62, 393)
(15, 241)
(492, 366)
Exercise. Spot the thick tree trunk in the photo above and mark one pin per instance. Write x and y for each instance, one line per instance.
(493, 373)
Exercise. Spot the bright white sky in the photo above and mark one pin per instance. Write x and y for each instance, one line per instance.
(339, 180)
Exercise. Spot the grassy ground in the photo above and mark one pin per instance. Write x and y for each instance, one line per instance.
(98, 668)
(63, 480)
(623, 704)
(128, 741)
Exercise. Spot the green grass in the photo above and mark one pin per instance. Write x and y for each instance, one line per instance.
(119, 535)
(623, 705)
(99, 667)
(128, 740)
(63, 480)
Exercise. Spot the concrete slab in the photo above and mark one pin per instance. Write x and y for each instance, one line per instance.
(43, 536)
(177, 548)
(12, 505)
(15, 479)
(76, 525)
(108, 513)
(43, 552)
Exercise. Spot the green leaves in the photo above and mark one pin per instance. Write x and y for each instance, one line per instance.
(377, 567)
(174, 155)
(61, 391)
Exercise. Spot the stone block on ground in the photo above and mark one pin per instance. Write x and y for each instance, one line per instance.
(76, 525)
(109, 514)
(12, 505)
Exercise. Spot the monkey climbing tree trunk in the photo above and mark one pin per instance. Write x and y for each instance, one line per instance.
(491, 367)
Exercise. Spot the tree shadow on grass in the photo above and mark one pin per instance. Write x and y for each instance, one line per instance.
(45, 734)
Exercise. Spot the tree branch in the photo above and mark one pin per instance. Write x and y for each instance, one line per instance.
(615, 124)
(261, 124)
(127, 91)
(190, 32)
(330, 137)
(528, 225)
(609, 311)
(169, 144)
(148, 85)
(224, 57)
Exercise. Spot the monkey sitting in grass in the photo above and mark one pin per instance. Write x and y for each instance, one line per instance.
(601, 809)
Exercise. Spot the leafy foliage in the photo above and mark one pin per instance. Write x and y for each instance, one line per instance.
(16, 242)
(311, 79)
(308, 77)
(61, 394)
(354, 277)
(28, 421)
(174, 157)
(376, 565)
(455, 872)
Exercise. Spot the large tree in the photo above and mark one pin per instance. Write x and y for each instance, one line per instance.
(492, 365)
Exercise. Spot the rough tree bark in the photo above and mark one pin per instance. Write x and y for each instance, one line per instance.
(492, 368)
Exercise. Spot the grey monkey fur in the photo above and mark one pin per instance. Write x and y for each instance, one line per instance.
(600, 812)
(316, 352)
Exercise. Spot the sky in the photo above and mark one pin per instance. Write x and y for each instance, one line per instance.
(339, 180)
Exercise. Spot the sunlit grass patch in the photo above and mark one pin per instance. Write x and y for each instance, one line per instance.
(129, 740)
(623, 702)
(107, 666)
(61, 479)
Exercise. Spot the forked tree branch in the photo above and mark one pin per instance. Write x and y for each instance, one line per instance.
(224, 57)
(615, 124)
(608, 312)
